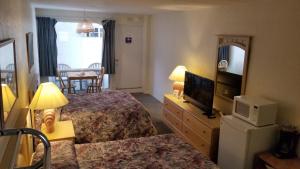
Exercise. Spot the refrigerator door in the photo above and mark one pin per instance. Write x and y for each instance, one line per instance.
(233, 142)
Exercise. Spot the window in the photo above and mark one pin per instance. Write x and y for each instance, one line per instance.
(78, 50)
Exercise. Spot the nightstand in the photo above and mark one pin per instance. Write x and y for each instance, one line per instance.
(63, 130)
(268, 161)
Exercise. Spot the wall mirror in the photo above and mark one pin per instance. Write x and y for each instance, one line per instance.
(8, 74)
(232, 63)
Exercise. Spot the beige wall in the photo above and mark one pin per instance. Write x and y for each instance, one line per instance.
(189, 38)
(15, 22)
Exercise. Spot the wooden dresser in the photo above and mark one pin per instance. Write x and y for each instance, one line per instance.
(187, 121)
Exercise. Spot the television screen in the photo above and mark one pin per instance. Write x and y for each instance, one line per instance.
(199, 91)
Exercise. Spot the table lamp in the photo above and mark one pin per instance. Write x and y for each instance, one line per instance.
(178, 77)
(48, 97)
(8, 98)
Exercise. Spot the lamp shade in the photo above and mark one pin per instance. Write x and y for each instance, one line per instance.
(85, 27)
(178, 74)
(8, 98)
(48, 96)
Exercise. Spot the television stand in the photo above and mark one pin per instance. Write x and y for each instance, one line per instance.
(210, 115)
(214, 114)
(189, 122)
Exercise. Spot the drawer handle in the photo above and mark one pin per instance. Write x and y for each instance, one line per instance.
(186, 131)
(203, 131)
(202, 145)
(187, 119)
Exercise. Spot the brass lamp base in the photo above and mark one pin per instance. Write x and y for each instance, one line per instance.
(179, 87)
(49, 120)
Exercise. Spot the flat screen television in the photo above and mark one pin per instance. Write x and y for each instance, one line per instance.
(200, 92)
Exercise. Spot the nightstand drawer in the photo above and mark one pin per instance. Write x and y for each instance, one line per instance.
(197, 141)
(172, 119)
(175, 110)
(199, 128)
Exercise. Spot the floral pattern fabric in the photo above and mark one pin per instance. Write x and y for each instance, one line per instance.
(106, 116)
(63, 155)
(156, 152)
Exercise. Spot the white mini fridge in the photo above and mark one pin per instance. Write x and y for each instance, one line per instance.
(240, 141)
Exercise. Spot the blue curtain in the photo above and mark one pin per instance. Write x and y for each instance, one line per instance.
(223, 53)
(108, 57)
(47, 46)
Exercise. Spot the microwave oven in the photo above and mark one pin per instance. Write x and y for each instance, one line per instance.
(255, 110)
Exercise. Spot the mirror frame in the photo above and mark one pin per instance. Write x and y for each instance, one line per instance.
(3, 43)
(241, 42)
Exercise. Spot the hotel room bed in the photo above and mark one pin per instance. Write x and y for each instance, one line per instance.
(156, 152)
(105, 116)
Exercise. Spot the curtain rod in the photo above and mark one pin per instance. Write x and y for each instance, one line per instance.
(64, 18)
(76, 18)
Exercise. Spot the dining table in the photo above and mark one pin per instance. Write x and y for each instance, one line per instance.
(81, 75)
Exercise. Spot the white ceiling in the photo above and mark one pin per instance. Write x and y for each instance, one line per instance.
(131, 6)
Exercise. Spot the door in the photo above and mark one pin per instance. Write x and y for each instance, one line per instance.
(129, 60)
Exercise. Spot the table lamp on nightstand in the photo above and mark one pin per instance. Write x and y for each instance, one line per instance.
(48, 97)
(178, 77)
(8, 98)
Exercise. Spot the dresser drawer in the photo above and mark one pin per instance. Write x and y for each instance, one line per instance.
(197, 141)
(199, 128)
(177, 111)
(172, 119)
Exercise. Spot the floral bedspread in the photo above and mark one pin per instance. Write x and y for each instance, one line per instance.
(106, 116)
(63, 155)
(155, 152)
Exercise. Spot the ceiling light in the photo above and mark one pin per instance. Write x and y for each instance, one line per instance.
(85, 26)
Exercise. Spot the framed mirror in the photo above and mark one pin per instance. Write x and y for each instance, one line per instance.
(232, 63)
(8, 75)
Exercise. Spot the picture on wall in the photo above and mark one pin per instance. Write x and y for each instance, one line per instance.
(29, 43)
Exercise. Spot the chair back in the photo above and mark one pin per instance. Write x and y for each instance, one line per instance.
(100, 77)
(95, 66)
(61, 68)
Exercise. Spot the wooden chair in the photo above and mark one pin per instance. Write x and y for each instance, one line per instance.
(61, 67)
(96, 87)
(62, 84)
(95, 66)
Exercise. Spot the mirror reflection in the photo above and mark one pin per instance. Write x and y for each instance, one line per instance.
(8, 76)
(232, 61)
(8, 99)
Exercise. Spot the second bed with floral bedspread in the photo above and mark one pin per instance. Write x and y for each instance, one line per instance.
(156, 152)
